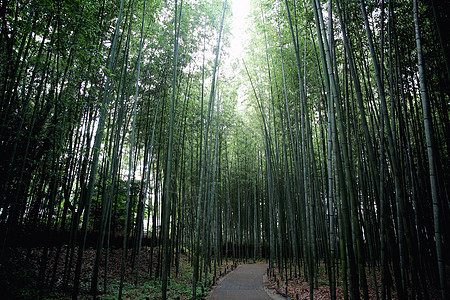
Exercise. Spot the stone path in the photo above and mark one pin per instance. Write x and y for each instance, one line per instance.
(246, 282)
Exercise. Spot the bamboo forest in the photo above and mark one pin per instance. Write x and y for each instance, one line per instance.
(150, 148)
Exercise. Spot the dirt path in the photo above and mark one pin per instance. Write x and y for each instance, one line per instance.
(246, 282)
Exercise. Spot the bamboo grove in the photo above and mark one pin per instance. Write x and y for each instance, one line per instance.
(127, 124)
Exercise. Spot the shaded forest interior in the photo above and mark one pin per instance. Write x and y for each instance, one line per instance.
(137, 148)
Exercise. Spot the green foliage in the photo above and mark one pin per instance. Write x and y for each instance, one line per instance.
(179, 286)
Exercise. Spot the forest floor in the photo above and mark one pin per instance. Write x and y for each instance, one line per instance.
(19, 277)
(298, 288)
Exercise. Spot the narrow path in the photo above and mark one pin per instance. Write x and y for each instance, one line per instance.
(246, 282)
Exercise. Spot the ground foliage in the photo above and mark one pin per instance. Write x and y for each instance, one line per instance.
(19, 277)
